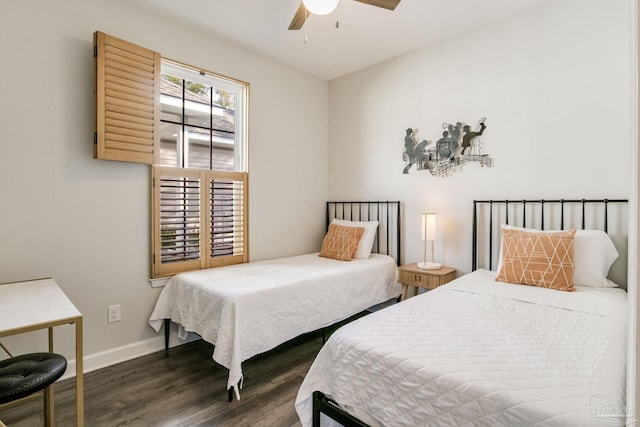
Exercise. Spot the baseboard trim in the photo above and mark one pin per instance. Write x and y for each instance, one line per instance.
(102, 359)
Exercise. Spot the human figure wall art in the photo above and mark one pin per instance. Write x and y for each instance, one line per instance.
(457, 146)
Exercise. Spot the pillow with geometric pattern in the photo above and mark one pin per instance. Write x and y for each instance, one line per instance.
(593, 255)
(341, 242)
(538, 258)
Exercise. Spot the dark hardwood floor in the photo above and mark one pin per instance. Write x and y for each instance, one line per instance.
(183, 387)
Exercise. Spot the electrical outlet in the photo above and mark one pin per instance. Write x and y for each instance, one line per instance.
(113, 313)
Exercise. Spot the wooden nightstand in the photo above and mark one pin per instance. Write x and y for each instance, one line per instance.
(411, 275)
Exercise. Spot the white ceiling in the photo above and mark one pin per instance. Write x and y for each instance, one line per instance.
(366, 35)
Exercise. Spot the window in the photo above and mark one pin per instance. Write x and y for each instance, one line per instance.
(191, 126)
(198, 120)
(200, 184)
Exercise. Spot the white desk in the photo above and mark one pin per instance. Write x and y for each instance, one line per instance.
(39, 304)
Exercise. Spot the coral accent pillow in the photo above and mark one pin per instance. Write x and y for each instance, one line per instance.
(341, 242)
(538, 259)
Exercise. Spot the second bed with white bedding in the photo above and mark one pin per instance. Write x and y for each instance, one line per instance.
(250, 308)
(477, 352)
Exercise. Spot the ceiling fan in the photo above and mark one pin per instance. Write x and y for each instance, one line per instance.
(301, 14)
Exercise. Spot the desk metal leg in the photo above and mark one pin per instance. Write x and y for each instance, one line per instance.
(49, 414)
(79, 376)
(50, 340)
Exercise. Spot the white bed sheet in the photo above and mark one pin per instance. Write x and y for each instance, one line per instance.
(250, 308)
(477, 352)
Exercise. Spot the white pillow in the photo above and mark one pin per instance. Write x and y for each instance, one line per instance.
(594, 253)
(368, 236)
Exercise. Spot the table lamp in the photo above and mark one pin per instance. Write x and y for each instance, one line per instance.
(429, 235)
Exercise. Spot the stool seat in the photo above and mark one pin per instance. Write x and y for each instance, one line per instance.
(26, 374)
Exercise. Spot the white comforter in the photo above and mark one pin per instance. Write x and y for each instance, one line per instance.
(250, 308)
(477, 352)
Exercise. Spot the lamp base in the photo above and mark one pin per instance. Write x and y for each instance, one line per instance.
(429, 265)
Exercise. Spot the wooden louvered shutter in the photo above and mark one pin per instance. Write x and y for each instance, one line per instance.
(177, 221)
(127, 101)
(199, 219)
(228, 220)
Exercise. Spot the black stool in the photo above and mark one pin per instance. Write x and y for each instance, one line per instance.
(23, 375)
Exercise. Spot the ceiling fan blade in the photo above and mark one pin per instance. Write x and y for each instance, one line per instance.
(299, 18)
(386, 4)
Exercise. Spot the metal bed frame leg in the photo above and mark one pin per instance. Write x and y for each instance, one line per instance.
(167, 329)
(322, 404)
(230, 391)
(316, 408)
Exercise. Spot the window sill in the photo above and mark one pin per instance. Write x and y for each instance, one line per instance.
(159, 282)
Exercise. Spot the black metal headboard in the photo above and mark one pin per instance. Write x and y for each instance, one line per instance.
(489, 215)
(386, 213)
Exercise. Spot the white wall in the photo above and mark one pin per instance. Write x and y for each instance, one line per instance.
(86, 222)
(554, 84)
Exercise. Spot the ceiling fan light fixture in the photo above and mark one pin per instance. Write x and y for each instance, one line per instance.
(320, 7)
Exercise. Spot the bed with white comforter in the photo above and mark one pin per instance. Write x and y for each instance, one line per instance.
(250, 308)
(477, 352)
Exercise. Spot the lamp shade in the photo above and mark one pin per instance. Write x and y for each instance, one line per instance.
(320, 7)
(429, 226)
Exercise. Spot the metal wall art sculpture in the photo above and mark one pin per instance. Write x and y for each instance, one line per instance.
(457, 146)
